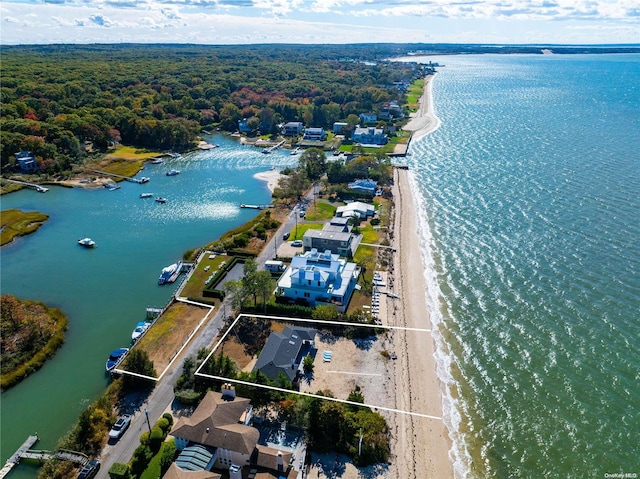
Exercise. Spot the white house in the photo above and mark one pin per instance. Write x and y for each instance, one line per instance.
(314, 134)
(369, 136)
(319, 278)
(357, 209)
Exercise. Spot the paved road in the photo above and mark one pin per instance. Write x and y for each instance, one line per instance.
(161, 399)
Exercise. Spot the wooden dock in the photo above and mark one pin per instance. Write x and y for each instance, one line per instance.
(38, 188)
(144, 179)
(14, 460)
(256, 207)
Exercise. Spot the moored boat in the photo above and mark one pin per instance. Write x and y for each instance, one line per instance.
(160, 199)
(139, 330)
(116, 356)
(167, 273)
(173, 172)
(87, 242)
(146, 195)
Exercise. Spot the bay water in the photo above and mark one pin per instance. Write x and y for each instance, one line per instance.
(530, 203)
(104, 291)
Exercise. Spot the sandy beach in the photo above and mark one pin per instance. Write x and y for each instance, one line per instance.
(420, 445)
(424, 120)
(271, 177)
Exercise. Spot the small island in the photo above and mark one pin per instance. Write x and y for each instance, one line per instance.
(31, 333)
(19, 223)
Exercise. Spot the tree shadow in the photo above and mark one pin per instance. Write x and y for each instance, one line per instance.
(365, 343)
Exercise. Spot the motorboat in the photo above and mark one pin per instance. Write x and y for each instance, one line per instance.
(160, 199)
(173, 172)
(115, 357)
(86, 242)
(167, 273)
(144, 179)
(146, 195)
(157, 161)
(295, 152)
(139, 330)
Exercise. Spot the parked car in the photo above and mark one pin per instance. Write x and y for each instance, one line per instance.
(302, 213)
(120, 427)
(90, 470)
(296, 243)
(285, 236)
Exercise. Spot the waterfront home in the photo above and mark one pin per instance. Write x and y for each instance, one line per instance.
(335, 236)
(218, 435)
(283, 352)
(369, 136)
(292, 128)
(340, 128)
(368, 186)
(357, 209)
(243, 126)
(26, 161)
(319, 278)
(370, 117)
(314, 134)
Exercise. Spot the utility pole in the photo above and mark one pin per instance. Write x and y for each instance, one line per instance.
(146, 412)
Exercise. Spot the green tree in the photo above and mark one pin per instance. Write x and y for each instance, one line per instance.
(138, 361)
(313, 162)
(307, 364)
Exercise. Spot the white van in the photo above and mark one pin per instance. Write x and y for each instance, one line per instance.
(274, 266)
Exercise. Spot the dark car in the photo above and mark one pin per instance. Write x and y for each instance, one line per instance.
(120, 427)
(285, 236)
(90, 470)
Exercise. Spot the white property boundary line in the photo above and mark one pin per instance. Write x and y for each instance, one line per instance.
(184, 344)
(289, 391)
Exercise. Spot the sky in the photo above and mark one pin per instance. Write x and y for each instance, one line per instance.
(320, 21)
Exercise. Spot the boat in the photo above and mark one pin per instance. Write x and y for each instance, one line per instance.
(86, 242)
(295, 152)
(139, 330)
(173, 172)
(115, 357)
(166, 273)
(112, 186)
(157, 161)
(160, 199)
(266, 151)
(146, 195)
(144, 179)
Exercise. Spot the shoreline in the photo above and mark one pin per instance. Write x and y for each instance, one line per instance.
(420, 445)
(424, 121)
(272, 177)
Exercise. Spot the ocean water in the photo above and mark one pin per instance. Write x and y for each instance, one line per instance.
(530, 203)
(104, 291)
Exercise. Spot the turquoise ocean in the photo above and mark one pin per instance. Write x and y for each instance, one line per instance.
(530, 195)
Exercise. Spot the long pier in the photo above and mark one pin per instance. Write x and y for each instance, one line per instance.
(38, 188)
(256, 207)
(25, 452)
(144, 179)
(274, 147)
(14, 460)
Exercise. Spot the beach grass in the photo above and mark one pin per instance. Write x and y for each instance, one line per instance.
(131, 153)
(19, 223)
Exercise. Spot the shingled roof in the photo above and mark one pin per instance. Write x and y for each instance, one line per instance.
(215, 423)
(281, 353)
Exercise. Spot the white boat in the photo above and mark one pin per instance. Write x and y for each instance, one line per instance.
(139, 330)
(167, 273)
(160, 199)
(173, 172)
(295, 151)
(146, 195)
(87, 242)
(157, 161)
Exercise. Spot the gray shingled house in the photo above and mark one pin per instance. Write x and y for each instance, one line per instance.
(283, 352)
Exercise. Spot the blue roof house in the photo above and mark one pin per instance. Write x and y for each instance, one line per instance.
(26, 161)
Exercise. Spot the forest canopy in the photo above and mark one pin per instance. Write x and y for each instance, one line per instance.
(61, 102)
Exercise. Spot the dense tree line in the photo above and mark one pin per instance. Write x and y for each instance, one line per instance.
(57, 98)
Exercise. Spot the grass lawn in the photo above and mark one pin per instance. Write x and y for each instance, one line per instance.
(299, 233)
(369, 235)
(168, 333)
(321, 211)
(18, 223)
(196, 283)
